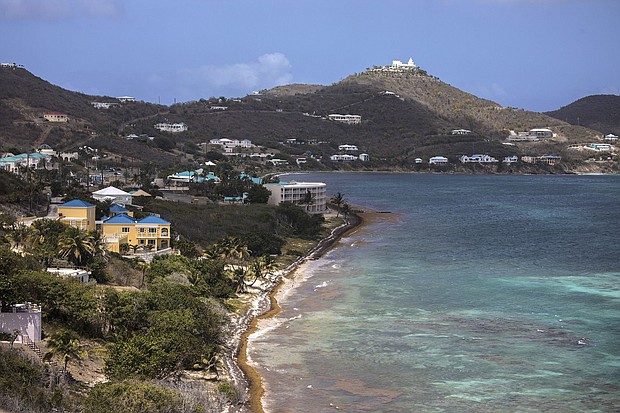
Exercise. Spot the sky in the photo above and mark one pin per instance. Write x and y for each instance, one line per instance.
(533, 54)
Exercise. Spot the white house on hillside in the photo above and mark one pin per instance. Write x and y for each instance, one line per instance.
(115, 195)
(348, 119)
(171, 127)
(438, 160)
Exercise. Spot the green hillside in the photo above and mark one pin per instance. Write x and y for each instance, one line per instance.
(598, 112)
(404, 116)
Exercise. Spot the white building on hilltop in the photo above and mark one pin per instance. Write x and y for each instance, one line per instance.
(397, 64)
(296, 193)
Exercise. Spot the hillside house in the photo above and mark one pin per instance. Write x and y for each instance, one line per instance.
(477, 158)
(348, 119)
(460, 132)
(16, 163)
(151, 232)
(78, 214)
(75, 274)
(25, 318)
(438, 160)
(103, 105)
(230, 145)
(510, 159)
(364, 157)
(176, 127)
(55, 117)
(295, 192)
(541, 133)
(126, 99)
(543, 159)
(114, 195)
(351, 148)
(611, 137)
(343, 158)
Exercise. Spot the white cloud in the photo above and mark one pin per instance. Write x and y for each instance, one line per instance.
(57, 9)
(269, 70)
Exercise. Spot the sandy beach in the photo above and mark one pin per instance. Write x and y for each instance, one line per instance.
(267, 306)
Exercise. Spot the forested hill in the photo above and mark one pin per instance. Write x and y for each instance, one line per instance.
(598, 112)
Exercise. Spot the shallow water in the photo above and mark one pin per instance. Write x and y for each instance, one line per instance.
(488, 294)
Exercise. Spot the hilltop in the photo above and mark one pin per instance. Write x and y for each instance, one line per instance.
(598, 112)
(404, 116)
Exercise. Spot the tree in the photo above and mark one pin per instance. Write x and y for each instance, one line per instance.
(76, 246)
(66, 344)
(307, 200)
(261, 268)
(338, 200)
(258, 194)
(346, 210)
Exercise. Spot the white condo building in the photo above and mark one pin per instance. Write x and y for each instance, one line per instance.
(295, 192)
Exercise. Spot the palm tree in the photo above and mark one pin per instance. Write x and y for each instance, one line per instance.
(307, 200)
(66, 344)
(346, 210)
(262, 267)
(239, 276)
(76, 246)
(338, 200)
(17, 236)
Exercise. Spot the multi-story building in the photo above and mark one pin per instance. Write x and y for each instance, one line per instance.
(296, 193)
(16, 163)
(78, 214)
(152, 232)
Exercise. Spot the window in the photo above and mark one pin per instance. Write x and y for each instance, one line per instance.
(141, 229)
(151, 242)
(164, 232)
(125, 229)
(152, 230)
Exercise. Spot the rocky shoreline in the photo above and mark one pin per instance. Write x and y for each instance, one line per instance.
(234, 360)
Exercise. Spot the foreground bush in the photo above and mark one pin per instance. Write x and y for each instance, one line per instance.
(132, 397)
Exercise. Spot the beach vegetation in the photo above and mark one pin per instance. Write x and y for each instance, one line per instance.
(132, 397)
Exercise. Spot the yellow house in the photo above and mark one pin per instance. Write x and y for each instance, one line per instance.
(150, 233)
(55, 117)
(78, 214)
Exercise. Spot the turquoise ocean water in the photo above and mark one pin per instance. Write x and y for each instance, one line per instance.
(478, 294)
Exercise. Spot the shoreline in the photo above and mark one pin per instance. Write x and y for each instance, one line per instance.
(265, 305)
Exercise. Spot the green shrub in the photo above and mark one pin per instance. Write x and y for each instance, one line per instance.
(132, 397)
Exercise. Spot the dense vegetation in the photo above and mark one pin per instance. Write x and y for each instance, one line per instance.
(174, 322)
(599, 112)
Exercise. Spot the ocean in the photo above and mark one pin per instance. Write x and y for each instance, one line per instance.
(476, 293)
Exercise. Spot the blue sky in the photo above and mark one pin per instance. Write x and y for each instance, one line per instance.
(532, 54)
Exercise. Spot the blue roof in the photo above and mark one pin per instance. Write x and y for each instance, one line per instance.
(117, 208)
(257, 181)
(152, 219)
(120, 219)
(76, 203)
